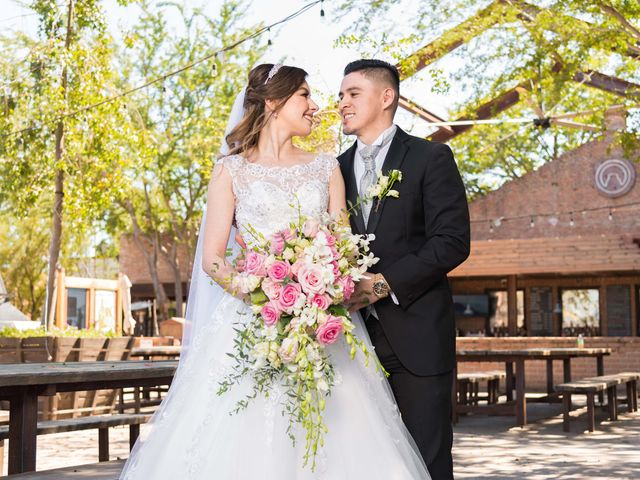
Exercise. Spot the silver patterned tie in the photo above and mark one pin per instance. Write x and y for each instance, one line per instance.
(368, 155)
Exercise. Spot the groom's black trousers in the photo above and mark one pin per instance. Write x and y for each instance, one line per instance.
(425, 403)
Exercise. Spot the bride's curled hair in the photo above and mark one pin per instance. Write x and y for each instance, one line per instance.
(279, 88)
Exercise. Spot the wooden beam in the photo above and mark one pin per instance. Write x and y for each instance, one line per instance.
(608, 83)
(604, 317)
(527, 310)
(634, 309)
(556, 317)
(473, 27)
(487, 110)
(512, 305)
(412, 107)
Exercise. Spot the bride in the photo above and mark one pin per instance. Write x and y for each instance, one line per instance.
(193, 435)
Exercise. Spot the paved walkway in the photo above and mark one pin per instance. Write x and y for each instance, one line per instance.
(492, 448)
(484, 448)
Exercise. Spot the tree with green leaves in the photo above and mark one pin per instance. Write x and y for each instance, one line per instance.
(555, 57)
(55, 149)
(179, 124)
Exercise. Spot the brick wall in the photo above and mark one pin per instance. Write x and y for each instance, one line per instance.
(133, 263)
(625, 356)
(563, 185)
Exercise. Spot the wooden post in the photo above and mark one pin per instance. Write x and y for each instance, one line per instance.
(527, 310)
(604, 318)
(23, 430)
(119, 314)
(556, 316)
(512, 305)
(634, 309)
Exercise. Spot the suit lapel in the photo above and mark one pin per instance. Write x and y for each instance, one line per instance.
(349, 175)
(393, 161)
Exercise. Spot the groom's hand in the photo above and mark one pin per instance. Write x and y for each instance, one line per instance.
(363, 295)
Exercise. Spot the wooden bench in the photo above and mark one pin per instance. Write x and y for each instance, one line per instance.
(468, 386)
(95, 471)
(100, 422)
(595, 385)
(631, 380)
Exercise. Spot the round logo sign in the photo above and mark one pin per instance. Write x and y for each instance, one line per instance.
(615, 177)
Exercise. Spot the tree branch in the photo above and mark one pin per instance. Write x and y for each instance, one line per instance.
(631, 29)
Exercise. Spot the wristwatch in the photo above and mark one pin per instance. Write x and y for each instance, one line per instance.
(380, 286)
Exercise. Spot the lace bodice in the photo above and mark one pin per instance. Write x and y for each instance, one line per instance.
(268, 198)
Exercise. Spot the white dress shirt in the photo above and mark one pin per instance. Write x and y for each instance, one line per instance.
(358, 170)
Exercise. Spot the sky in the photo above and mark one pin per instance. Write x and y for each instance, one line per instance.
(307, 41)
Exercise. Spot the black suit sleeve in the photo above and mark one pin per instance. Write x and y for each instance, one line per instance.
(446, 217)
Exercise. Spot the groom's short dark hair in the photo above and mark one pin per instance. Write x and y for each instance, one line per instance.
(379, 70)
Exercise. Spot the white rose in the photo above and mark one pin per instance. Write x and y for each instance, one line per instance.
(270, 333)
(261, 350)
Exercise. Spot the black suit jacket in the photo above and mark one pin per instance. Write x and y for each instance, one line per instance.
(420, 237)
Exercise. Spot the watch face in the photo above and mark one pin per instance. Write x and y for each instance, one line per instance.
(379, 288)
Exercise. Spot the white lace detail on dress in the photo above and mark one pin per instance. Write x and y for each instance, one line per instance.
(268, 197)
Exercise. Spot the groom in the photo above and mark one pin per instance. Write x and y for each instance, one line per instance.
(420, 236)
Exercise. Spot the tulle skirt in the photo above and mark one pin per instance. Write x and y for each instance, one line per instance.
(194, 436)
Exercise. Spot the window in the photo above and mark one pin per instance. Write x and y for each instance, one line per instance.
(498, 312)
(77, 307)
(581, 312)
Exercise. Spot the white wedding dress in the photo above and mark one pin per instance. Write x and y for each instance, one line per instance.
(194, 436)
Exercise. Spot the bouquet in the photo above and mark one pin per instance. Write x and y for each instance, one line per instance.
(296, 282)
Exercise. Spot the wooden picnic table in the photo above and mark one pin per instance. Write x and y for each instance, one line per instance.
(23, 383)
(517, 379)
(148, 353)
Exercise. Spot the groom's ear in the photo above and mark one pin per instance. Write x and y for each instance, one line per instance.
(388, 98)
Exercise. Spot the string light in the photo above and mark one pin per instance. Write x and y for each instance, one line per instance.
(322, 8)
(162, 78)
(553, 216)
(269, 42)
(532, 223)
(490, 227)
(571, 222)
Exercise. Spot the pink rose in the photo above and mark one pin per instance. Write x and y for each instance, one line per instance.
(336, 269)
(295, 268)
(289, 296)
(270, 314)
(254, 264)
(329, 331)
(310, 278)
(289, 234)
(272, 289)
(276, 244)
(310, 228)
(348, 286)
(321, 301)
(330, 239)
(279, 270)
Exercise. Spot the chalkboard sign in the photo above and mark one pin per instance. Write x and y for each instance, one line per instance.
(619, 310)
(541, 311)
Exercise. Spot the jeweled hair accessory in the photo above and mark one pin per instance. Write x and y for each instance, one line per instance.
(273, 72)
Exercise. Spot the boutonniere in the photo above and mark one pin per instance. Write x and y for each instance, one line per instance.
(384, 187)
